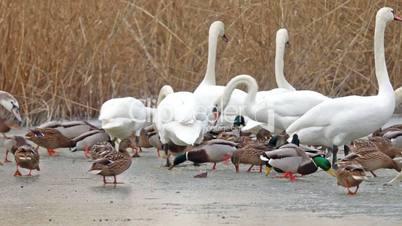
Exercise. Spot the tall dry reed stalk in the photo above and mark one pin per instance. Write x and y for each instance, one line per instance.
(62, 59)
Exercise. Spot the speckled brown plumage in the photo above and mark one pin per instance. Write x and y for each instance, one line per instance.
(49, 138)
(371, 159)
(16, 141)
(26, 157)
(113, 163)
(101, 150)
(249, 154)
(350, 174)
(380, 143)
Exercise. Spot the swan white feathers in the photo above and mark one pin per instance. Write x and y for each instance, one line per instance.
(339, 121)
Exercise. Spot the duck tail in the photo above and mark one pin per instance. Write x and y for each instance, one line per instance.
(360, 178)
(94, 171)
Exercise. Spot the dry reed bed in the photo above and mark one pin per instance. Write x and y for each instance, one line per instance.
(62, 59)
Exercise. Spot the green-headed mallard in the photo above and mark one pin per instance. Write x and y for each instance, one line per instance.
(26, 157)
(290, 159)
(213, 151)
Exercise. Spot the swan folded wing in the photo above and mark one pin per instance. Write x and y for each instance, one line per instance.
(295, 103)
(182, 134)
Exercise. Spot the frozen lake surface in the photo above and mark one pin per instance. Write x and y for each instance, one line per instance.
(64, 193)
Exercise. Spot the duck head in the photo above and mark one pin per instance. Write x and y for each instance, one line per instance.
(239, 121)
(179, 159)
(324, 164)
(295, 140)
(34, 134)
(264, 157)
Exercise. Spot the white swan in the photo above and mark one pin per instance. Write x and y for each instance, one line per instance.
(341, 120)
(282, 38)
(207, 92)
(123, 117)
(180, 120)
(278, 110)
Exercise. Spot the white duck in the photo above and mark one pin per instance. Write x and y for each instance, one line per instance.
(123, 117)
(341, 120)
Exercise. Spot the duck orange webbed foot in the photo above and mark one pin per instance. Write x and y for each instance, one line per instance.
(290, 176)
(17, 173)
(51, 152)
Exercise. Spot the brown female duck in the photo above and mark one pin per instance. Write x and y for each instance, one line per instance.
(349, 175)
(9, 112)
(16, 142)
(26, 157)
(70, 129)
(371, 159)
(51, 139)
(249, 154)
(382, 144)
(101, 150)
(114, 163)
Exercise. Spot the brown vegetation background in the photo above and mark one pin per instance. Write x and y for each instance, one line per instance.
(62, 59)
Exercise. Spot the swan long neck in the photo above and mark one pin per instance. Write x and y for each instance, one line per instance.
(384, 85)
(209, 78)
(252, 88)
(279, 65)
(164, 92)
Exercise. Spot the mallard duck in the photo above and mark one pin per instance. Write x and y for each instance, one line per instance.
(381, 132)
(371, 159)
(213, 151)
(49, 138)
(70, 129)
(290, 159)
(155, 142)
(9, 112)
(249, 154)
(26, 157)
(14, 142)
(85, 141)
(350, 175)
(113, 163)
(100, 150)
(382, 144)
(263, 135)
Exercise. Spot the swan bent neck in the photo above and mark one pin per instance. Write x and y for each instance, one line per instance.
(384, 85)
(281, 39)
(216, 29)
(252, 88)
